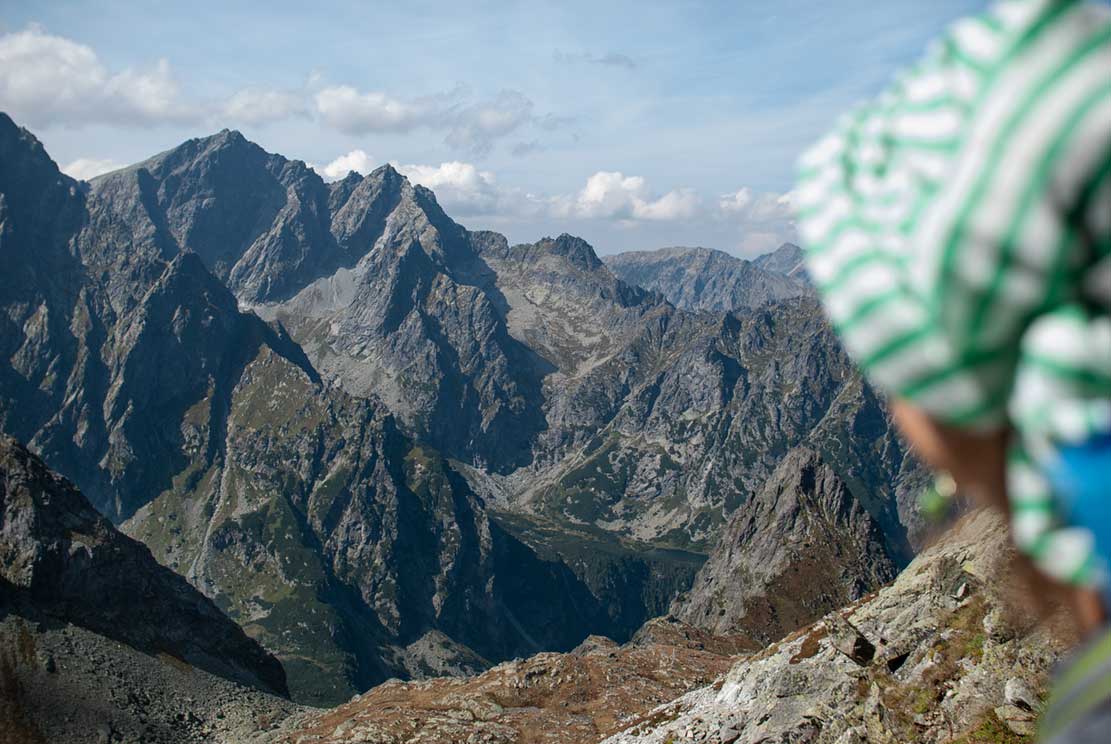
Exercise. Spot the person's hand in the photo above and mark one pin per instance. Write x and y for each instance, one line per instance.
(975, 460)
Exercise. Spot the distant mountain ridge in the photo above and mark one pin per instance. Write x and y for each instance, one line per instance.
(788, 259)
(712, 280)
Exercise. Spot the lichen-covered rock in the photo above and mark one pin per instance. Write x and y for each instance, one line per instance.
(935, 673)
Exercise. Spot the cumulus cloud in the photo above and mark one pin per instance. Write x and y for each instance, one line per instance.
(736, 202)
(613, 195)
(352, 112)
(476, 126)
(85, 168)
(472, 125)
(764, 220)
(46, 79)
(261, 106)
(461, 187)
(766, 207)
(50, 80)
(356, 160)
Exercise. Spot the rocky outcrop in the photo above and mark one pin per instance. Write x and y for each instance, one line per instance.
(64, 683)
(802, 547)
(571, 698)
(61, 560)
(710, 280)
(943, 651)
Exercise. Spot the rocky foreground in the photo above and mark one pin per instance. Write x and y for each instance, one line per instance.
(581, 696)
(942, 654)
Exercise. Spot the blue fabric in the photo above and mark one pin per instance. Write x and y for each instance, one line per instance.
(1081, 478)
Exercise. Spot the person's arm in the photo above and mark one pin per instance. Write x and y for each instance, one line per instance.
(977, 462)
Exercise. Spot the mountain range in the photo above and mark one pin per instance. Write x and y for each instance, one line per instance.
(714, 281)
(388, 446)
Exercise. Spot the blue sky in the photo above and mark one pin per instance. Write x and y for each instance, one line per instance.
(633, 124)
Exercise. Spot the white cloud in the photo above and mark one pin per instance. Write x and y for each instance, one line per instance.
(764, 220)
(475, 127)
(763, 208)
(261, 106)
(613, 195)
(352, 112)
(50, 80)
(460, 187)
(46, 79)
(85, 168)
(736, 202)
(356, 160)
(469, 125)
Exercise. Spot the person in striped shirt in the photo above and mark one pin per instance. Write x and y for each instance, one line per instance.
(958, 229)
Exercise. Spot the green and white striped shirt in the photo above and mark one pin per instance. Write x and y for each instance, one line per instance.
(959, 230)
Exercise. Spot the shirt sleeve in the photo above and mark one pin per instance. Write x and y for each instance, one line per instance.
(941, 218)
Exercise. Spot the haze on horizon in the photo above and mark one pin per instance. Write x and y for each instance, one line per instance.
(633, 125)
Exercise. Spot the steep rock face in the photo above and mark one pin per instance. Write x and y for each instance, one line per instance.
(705, 279)
(61, 558)
(50, 319)
(657, 421)
(801, 547)
(408, 323)
(696, 412)
(321, 514)
(260, 223)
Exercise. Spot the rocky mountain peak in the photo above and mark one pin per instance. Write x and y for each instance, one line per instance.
(802, 546)
(787, 259)
(18, 145)
(386, 171)
(580, 253)
(39, 206)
